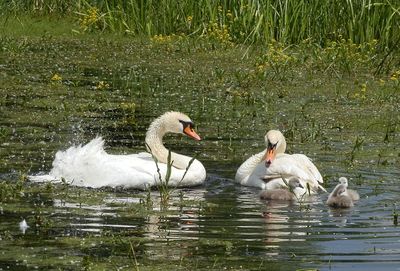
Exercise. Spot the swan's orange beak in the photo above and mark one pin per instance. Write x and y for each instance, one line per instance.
(269, 155)
(189, 131)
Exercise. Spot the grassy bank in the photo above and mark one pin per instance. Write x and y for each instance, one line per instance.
(274, 59)
(286, 21)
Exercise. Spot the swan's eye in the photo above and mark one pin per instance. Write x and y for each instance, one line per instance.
(186, 124)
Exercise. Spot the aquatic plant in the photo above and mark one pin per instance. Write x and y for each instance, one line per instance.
(133, 253)
(3, 133)
(395, 217)
(356, 147)
(346, 55)
(11, 191)
(276, 61)
(390, 130)
(163, 185)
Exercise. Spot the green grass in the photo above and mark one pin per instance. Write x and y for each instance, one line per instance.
(286, 21)
(35, 26)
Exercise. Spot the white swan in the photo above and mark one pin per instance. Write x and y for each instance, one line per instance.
(341, 197)
(91, 166)
(293, 191)
(267, 168)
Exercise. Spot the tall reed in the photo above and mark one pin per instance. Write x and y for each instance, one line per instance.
(250, 21)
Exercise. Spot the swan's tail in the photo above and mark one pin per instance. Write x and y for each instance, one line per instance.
(69, 163)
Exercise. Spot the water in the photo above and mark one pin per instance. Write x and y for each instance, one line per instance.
(215, 226)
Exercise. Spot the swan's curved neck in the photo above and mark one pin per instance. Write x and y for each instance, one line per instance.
(245, 169)
(155, 146)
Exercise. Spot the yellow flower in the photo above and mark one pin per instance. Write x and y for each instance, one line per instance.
(189, 19)
(395, 76)
(363, 87)
(90, 19)
(243, 6)
(56, 77)
(102, 85)
(129, 106)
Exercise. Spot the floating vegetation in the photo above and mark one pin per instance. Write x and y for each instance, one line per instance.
(113, 85)
(11, 191)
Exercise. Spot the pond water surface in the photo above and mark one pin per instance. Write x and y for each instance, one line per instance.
(115, 91)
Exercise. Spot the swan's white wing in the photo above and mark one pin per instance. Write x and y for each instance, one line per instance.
(312, 169)
(298, 166)
(286, 166)
(307, 163)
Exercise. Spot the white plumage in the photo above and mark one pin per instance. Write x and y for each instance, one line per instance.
(91, 166)
(267, 168)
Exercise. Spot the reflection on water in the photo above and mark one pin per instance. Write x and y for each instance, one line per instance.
(221, 219)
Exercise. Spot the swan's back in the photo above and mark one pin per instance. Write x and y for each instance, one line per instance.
(309, 166)
(91, 166)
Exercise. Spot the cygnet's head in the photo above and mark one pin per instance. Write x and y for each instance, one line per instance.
(276, 143)
(343, 180)
(294, 183)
